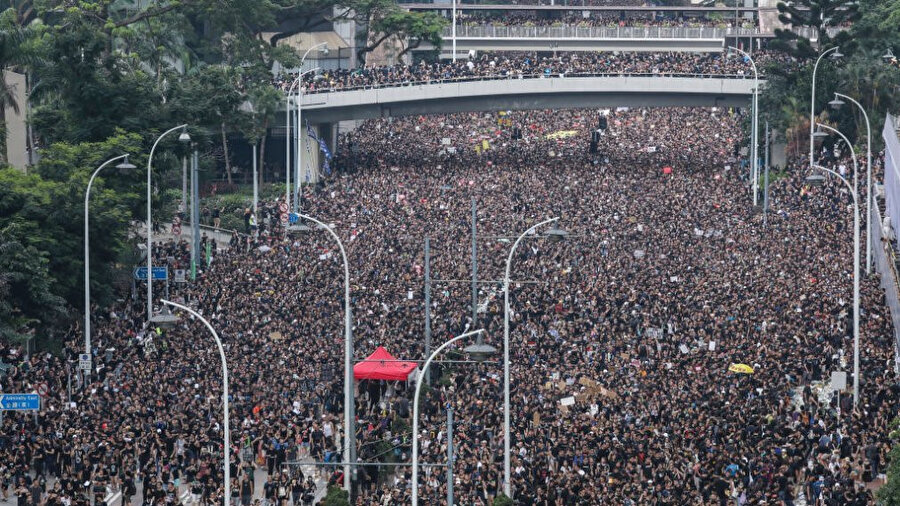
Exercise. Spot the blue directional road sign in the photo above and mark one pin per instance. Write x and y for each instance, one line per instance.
(20, 402)
(293, 217)
(159, 273)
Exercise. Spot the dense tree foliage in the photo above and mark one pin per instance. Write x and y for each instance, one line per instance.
(861, 73)
(106, 78)
(889, 493)
(41, 221)
(817, 14)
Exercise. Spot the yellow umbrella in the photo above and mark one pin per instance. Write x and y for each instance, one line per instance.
(740, 368)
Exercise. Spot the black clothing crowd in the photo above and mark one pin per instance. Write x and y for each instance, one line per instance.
(667, 278)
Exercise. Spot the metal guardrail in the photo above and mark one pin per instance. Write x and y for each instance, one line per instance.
(510, 77)
(885, 259)
(597, 32)
(489, 31)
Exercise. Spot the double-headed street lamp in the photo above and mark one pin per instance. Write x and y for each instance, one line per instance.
(554, 234)
(298, 83)
(812, 101)
(836, 104)
(298, 205)
(349, 431)
(415, 413)
(287, 131)
(888, 56)
(227, 449)
(754, 123)
(183, 137)
(123, 165)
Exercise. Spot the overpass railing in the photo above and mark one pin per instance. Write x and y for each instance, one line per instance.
(509, 77)
(886, 260)
(489, 31)
(597, 32)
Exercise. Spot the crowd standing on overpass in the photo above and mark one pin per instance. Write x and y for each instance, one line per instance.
(594, 18)
(514, 65)
(668, 277)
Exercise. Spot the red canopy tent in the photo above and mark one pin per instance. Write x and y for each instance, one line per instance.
(381, 365)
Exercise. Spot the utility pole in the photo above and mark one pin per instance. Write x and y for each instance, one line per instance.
(255, 181)
(766, 179)
(474, 268)
(184, 184)
(449, 455)
(195, 211)
(428, 302)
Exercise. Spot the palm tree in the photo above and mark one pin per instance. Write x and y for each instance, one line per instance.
(13, 56)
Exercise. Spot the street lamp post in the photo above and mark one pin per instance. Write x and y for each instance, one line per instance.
(453, 35)
(506, 435)
(287, 127)
(415, 427)
(812, 100)
(853, 194)
(87, 248)
(754, 135)
(836, 103)
(227, 449)
(184, 137)
(298, 206)
(287, 138)
(349, 431)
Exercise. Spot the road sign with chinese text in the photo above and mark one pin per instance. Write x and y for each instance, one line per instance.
(20, 402)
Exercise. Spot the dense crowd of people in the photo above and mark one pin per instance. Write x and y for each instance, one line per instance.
(513, 65)
(622, 336)
(591, 18)
(573, 3)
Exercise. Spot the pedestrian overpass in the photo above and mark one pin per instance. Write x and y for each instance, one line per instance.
(526, 92)
(324, 108)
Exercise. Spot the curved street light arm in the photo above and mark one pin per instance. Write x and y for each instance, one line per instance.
(296, 207)
(300, 78)
(226, 414)
(868, 179)
(852, 152)
(287, 136)
(754, 133)
(349, 435)
(506, 434)
(150, 223)
(415, 427)
(812, 101)
(856, 296)
(87, 258)
(842, 178)
(303, 60)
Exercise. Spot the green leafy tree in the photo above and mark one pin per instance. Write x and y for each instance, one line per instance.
(877, 29)
(889, 493)
(817, 14)
(502, 500)
(27, 304)
(86, 91)
(413, 28)
(210, 96)
(265, 100)
(14, 55)
(336, 496)
(43, 211)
